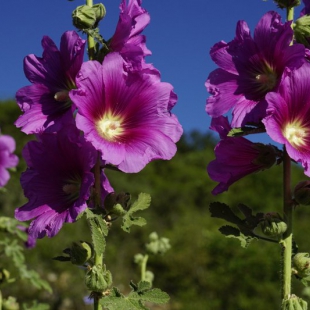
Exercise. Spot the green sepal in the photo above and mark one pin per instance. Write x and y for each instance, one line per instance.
(246, 130)
(142, 203)
(302, 30)
(294, 303)
(98, 279)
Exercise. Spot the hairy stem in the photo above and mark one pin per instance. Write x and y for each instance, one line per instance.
(90, 39)
(288, 214)
(143, 267)
(288, 235)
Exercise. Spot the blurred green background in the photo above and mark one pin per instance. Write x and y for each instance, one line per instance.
(203, 270)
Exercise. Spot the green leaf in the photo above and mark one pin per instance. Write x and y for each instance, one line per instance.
(232, 232)
(142, 203)
(222, 211)
(141, 293)
(99, 230)
(35, 306)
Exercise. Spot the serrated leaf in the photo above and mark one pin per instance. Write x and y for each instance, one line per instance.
(135, 299)
(232, 232)
(142, 203)
(222, 211)
(154, 295)
(144, 285)
(99, 230)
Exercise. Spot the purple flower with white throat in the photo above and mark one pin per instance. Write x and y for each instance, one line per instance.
(288, 115)
(236, 157)
(58, 181)
(127, 39)
(45, 104)
(7, 158)
(250, 68)
(126, 116)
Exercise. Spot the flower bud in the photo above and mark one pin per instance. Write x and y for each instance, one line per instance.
(301, 264)
(302, 30)
(302, 193)
(157, 245)
(81, 252)
(84, 17)
(98, 279)
(267, 155)
(287, 4)
(294, 302)
(100, 11)
(138, 258)
(10, 304)
(273, 225)
(149, 276)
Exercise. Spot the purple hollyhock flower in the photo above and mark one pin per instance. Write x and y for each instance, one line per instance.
(127, 39)
(236, 157)
(125, 116)
(250, 68)
(288, 115)
(58, 181)
(46, 103)
(7, 159)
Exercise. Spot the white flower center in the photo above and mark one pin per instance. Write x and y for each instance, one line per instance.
(109, 128)
(295, 134)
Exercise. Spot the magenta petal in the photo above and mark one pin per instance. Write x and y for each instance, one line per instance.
(126, 116)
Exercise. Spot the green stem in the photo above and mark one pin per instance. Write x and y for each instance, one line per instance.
(288, 235)
(90, 40)
(287, 213)
(143, 267)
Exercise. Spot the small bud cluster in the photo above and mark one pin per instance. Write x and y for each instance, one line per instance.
(86, 17)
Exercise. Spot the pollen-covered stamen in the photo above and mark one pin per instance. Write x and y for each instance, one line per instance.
(295, 134)
(109, 127)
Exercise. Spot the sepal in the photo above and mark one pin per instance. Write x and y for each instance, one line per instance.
(98, 279)
(273, 225)
(302, 193)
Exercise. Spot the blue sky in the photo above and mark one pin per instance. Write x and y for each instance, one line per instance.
(180, 36)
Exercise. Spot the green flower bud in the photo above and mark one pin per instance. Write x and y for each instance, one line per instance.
(301, 264)
(287, 4)
(302, 193)
(98, 279)
(149, 276)
(10, 304)
(100, 11)
(294, 303)
(302, 30)
(81, 252)
(84, 17)
(157, 245)
(273, 225)
(138, 258)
